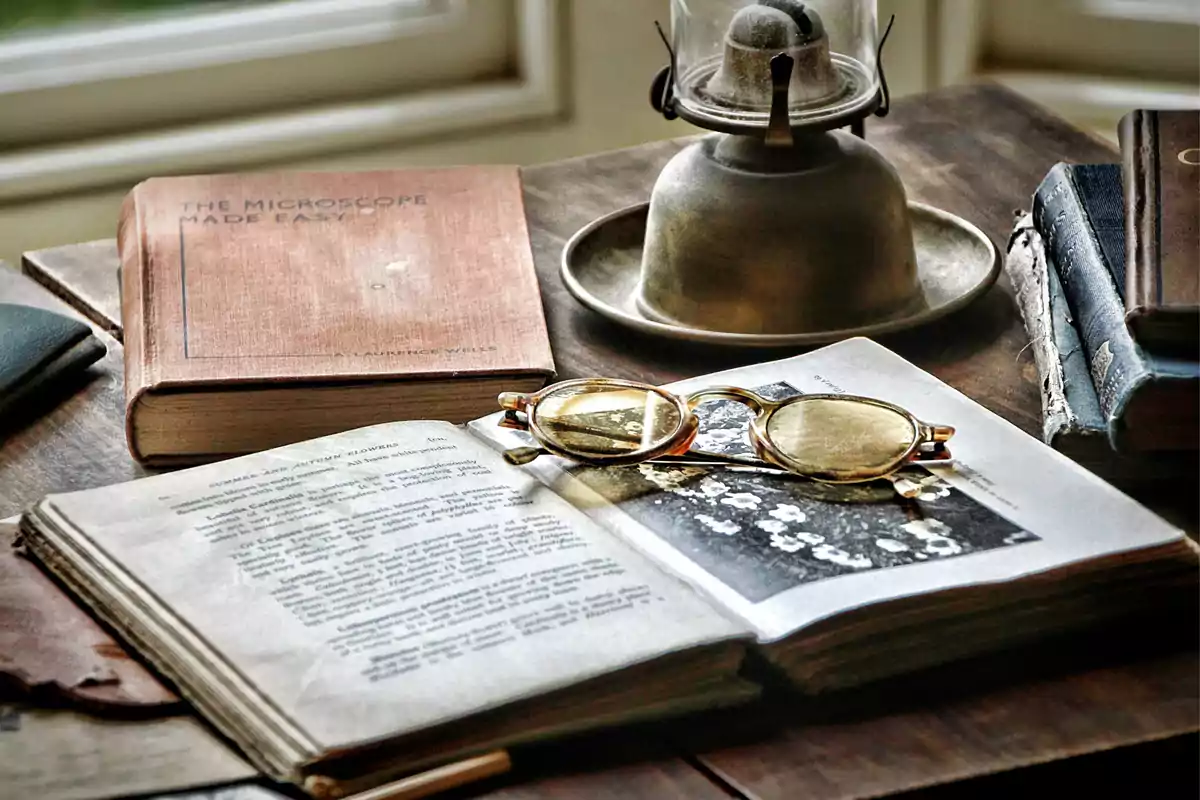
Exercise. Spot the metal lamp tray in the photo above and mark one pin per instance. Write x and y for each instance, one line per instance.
(601, 267)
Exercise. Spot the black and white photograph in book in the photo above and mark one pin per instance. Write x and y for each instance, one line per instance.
(762, 534)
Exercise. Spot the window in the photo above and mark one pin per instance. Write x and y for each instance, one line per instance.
(16, 14)
(1089, 60)
(197, 84)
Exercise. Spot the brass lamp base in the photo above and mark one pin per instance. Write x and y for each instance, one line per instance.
(746, 238)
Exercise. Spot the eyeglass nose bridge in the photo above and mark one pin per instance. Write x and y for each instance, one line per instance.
(746, 397)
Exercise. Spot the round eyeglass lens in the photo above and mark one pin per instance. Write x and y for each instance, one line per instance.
(840, 436)
(607, 420)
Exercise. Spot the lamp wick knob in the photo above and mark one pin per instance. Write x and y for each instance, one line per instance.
(779, 128)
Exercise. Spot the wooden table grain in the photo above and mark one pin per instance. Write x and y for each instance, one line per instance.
(77, 441)
(977, 151)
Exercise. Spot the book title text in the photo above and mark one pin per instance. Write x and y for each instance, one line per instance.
(291, 210)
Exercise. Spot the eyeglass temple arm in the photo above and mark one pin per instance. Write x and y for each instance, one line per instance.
(523, 455)
(936, 434)
(513, 401)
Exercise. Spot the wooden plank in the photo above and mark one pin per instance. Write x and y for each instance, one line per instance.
(591, 770)
(623, 782)
(608, 765)
(944, 728)
(85, 277)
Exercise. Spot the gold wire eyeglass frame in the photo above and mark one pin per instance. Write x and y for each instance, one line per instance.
(927, 442)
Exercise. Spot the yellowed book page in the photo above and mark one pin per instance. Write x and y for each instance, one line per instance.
(387, 579)
(66, 755)
(782, 554)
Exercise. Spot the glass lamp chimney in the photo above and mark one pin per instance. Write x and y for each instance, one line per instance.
(723, 51)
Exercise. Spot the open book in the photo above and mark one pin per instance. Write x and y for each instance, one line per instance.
(357, 607)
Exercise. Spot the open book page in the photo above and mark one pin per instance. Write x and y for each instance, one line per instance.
(390, 578)
(783, 553)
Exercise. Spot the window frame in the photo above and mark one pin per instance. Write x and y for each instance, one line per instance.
(178, 39)
(1091, 101)
(103, 54)
(1184, 12)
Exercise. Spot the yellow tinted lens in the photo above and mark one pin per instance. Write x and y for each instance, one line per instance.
(613, 420)
(840, 436)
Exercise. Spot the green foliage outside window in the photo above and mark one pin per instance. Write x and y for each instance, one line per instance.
(25, 14)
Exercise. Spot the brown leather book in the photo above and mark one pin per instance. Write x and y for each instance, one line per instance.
(264, 309)
(1161, 154)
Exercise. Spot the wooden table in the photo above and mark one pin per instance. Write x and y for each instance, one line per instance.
(979, 152)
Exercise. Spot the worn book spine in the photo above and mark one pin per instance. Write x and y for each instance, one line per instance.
(131, 247)
(130, 255)
(1070, 408)
(1161, 168)
(1072, 422)
(1078, 211)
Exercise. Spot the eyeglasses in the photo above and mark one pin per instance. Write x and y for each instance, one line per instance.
(831, 438)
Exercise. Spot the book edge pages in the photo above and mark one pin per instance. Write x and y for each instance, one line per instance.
(829, 656)
(606, 710)
(1024, 265)
(280, 395)
(157, 643)
(303, 769)
(46, 539)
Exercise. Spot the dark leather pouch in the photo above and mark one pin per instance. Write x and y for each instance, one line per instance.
(38, 350)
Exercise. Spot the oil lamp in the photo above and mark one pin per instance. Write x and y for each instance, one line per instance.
(780, 227)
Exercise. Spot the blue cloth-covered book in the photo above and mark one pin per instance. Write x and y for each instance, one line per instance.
(1072, 421)
(1143, 403)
